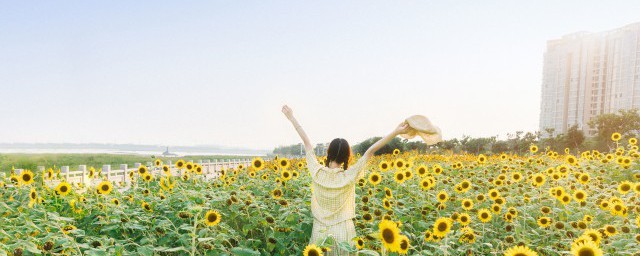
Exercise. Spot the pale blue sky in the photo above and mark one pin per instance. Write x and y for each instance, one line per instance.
(217, 72)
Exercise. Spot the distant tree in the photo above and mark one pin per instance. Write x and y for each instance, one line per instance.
(395, 143)
(451, 144)
(574, 138)
(625, 122)
(500, 147)
(477, 145)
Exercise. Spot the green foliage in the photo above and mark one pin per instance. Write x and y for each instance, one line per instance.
(625, 122)
(395, 143)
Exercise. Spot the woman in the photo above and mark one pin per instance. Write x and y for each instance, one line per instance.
(333, 198)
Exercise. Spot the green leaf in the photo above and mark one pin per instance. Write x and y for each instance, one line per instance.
(204, 239)
(144, 250)
(368, 252)
(244, 251)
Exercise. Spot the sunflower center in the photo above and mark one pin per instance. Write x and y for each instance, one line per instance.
(484, 215)
(586, 252)
(388, 236)
(313, 252)
(26, 177)
(63, 189)
(374, 178)
(212, 217)
(105, 187)
(442, 227)
(404, 245)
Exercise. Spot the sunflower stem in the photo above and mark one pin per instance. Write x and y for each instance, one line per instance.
(194, 234)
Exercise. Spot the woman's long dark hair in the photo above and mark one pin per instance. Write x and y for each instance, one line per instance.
(339, 152)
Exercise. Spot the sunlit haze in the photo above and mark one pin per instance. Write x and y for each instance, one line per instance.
(218, 72)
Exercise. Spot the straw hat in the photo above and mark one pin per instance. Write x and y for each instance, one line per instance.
(421, 126)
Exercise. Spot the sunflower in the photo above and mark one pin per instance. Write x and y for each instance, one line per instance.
(437, 169)
(399, 177)
(33, 195)
(594, 235)
(442, 196)
(400, 164)
(285, 174)
(396, 152)
(442, 226)
(26, 177)
(404, 245)
(115, 201)
(63, 188)
(212, 218)
(482, 159)
(388, 193)
(389, 235)
(494, 194)
(283, 163)
(142, 170)
(585, 248)
(189, 166)
(584, 178)
(359, 243)
(484, 215)
(166, 170)
(105, 187)
(538, 179)
(464, 219)
(580, 195)
(375, 178)
(496, 208)
(276, 193)
(625, 187)
(384, 166)
(427, 183)
(146, 207)
(544, 222)
(257, 163)
(533, 148)
(386, 203)
(180, 164)
(516, 177)
(158, 162)
(50, 173)
(312, 250)
(616, 136)
(520, 251)
(68, 228)
(422, 170)
(610, 230)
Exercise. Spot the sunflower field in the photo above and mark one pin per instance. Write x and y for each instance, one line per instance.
(541, 203)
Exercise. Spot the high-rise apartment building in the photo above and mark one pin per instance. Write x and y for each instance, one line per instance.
(588, 74)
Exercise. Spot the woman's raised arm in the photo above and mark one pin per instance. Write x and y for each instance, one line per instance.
(288, 112)
(401, 129)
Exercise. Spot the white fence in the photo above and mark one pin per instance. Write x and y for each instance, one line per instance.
(210, 170)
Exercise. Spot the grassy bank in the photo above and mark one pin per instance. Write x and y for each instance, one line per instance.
(32, 161)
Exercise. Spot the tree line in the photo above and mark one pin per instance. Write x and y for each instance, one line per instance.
(625, 122)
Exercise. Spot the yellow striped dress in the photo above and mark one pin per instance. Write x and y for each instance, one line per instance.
(333, 201)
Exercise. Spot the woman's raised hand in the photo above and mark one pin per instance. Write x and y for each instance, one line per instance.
(402, 128)
(287, 111)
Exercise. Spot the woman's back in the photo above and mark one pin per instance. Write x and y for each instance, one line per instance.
(333, 198)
